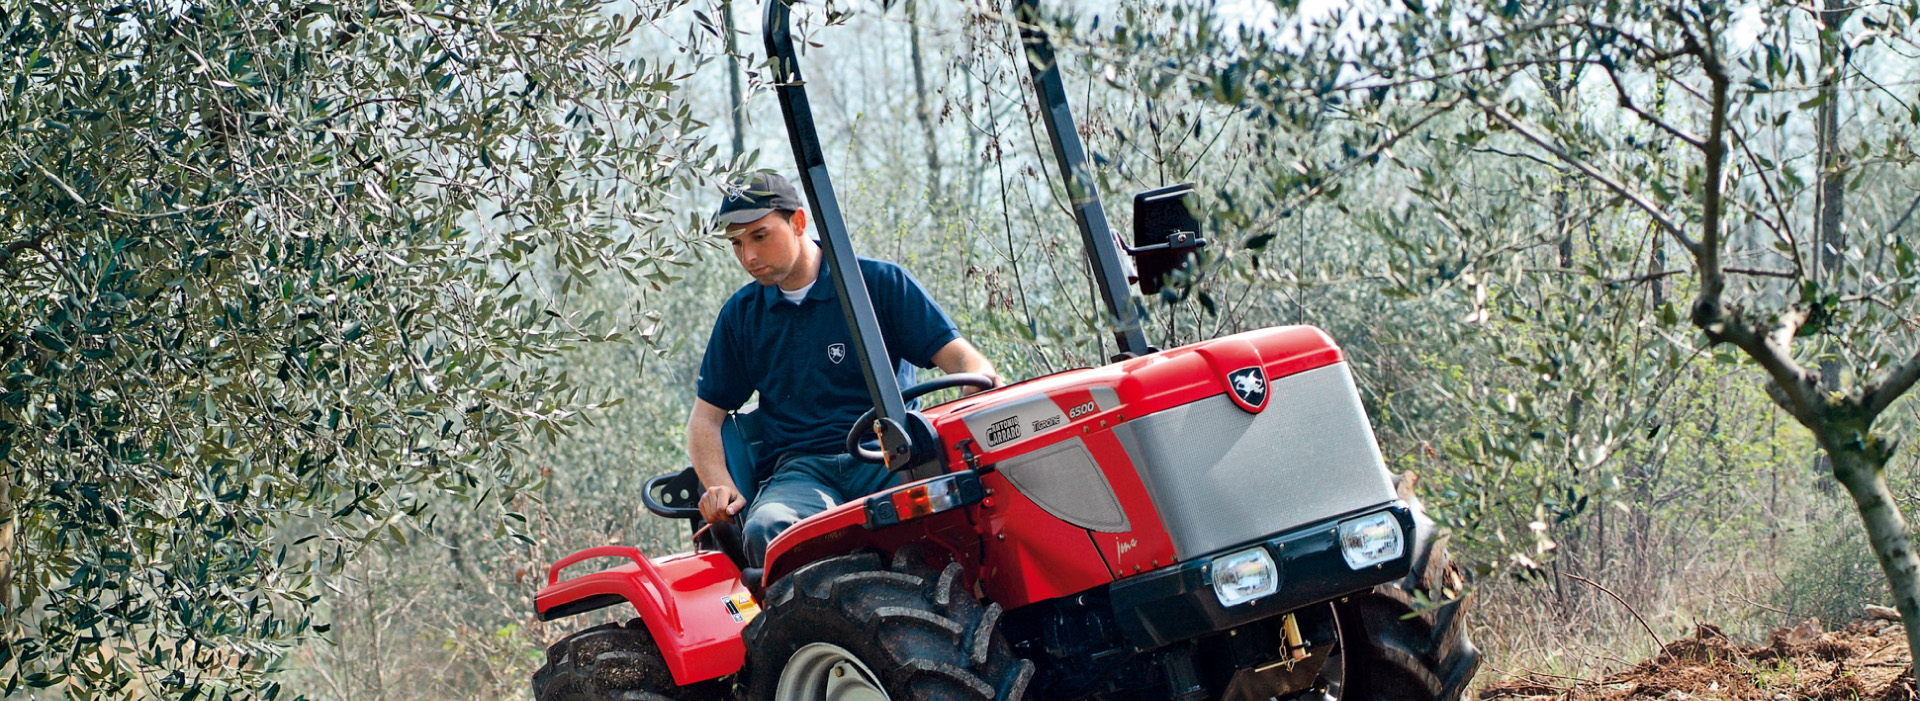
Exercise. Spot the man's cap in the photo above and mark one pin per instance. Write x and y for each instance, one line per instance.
(765, 194)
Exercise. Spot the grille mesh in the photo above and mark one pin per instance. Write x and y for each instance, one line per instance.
(1063, 479)
(1221, 476)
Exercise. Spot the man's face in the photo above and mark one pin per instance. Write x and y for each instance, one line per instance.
(769, 247)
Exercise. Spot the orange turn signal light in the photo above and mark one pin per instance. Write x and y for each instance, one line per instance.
(923, 499)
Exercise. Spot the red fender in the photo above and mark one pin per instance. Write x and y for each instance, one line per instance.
(843, 529)
(694, 605)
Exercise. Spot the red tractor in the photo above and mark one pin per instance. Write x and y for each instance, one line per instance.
(1209, 521)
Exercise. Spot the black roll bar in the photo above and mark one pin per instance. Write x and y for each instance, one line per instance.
(869, 348)
(1102, 249)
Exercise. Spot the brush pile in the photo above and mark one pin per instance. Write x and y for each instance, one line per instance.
(1866, 660)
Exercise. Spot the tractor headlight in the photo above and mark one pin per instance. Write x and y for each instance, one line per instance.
(1244, 576)
(1371, 540)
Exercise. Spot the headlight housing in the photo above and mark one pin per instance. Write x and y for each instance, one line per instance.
(1371, 539)
(1244, 576)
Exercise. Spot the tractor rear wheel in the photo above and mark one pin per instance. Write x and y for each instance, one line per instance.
(1395, 649)
(852, 627)
(613, 662)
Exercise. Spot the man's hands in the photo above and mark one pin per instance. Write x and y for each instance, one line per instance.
(722, 500)
(721, 504)
(998, 381)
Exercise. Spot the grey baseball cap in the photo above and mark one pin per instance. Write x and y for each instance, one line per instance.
(764, 194)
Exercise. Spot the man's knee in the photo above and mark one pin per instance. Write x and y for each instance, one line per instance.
(764, 523)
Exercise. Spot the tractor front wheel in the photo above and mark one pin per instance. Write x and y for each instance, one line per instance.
(852, 627)
(1395, 648)
(613, 662)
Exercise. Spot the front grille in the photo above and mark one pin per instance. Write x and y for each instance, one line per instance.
(1221, 477)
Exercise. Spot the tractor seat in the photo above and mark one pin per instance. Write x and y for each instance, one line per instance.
(677, 494)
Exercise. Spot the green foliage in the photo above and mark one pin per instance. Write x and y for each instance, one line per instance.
(1529, 180)
(283, 279)
(1516, 327)
(1831, 574)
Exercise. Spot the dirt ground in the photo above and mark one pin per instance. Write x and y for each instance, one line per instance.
(1866, 660)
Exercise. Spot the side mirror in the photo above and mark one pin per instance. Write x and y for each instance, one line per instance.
(1165, 234)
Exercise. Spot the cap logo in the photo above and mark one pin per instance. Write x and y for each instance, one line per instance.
(1249, 385)
(837, 352)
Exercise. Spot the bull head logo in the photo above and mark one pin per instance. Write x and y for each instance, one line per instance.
(1249, 386)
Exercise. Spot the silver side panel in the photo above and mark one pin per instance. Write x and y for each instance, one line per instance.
(1221, 476)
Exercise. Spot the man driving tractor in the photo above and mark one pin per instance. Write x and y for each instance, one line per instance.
(783, 336)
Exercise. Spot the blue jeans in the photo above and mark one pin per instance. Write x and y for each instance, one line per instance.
(804, 485)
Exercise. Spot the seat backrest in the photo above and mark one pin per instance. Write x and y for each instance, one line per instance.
(740, 437)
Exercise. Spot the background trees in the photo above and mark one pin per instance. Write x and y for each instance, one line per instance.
(1734, 136)
(283, 281)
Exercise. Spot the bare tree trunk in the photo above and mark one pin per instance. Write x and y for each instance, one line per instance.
(1863, 472)
(1832, 188)
(738, 106)
(1557, 79)
(1831, 192)
(923, 106)
(375, 667)
(8, 521)
(1659, 255)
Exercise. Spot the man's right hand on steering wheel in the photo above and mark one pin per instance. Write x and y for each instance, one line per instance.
(721, 504)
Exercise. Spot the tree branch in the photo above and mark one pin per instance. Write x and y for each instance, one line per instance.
(1657, 642)
(1881, 394)
(1897, 223)
(1785, 228)
(1660, 217)
(1712, 280)
(1649, 277)
(1783, 274)
(1768, 347)
(1626, 102)
(55, 179)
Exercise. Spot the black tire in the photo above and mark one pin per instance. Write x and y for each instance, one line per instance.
(1393, 655)
(613, 662)
(918, 631)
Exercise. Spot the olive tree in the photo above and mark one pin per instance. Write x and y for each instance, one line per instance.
(1767, 145)
(282, 279)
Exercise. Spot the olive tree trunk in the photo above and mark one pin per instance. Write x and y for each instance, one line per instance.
(923, 108)
(1840, 416)
(9, 517)
(1863, 473)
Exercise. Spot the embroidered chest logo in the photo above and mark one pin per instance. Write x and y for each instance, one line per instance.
(837, 352)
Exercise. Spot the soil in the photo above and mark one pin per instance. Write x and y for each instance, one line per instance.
(1866, 660)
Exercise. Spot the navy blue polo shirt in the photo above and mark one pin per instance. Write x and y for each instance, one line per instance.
(800, 356)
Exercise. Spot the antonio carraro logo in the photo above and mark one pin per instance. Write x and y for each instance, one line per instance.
(1003, 430)
(1018, 420)
(837, 352)
(1249, 385)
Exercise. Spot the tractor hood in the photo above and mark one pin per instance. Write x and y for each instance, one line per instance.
(1233, 439)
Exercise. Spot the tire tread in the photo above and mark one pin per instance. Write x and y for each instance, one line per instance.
(918, 629)
(1405, 651)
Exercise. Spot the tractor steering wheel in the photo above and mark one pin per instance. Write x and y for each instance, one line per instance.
(864, 425)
